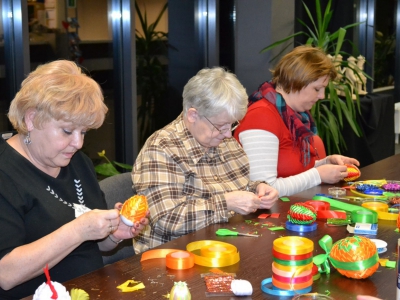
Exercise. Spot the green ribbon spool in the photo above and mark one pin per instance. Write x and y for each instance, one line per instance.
(359, 214)
(293, 263)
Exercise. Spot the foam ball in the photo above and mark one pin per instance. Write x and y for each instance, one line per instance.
(302, 213)
(352, 173)
(358, 250)
(134, 209)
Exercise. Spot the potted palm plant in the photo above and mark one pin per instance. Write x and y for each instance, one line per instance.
(151, 72)
(329, 113)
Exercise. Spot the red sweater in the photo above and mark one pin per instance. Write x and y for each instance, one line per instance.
(263, 115)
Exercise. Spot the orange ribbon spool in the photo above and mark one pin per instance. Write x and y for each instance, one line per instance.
(180, 260)
(175, 259)
(291, 286)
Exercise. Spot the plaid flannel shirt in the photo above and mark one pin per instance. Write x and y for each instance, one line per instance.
(184, 185)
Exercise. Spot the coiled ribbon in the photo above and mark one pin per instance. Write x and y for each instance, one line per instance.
(301, 228)
(369, 216)
(382, 209)
(265, 287)
(174, 258)
(324, 212)
(214, 253)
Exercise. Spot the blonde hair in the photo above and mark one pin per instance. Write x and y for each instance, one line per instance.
(58, 90)
(302, 66)
(212, 91)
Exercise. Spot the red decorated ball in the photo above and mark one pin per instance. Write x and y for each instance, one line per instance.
(352, 173)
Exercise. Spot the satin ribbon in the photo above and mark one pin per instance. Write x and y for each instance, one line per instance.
(293, 263)
(290, 280)
(179, 260)
(293, 245)
(364, 216)
(324, 212)
(350, 208)
(292, 286)
(174, 258)
(357, 265)
(321, 260)
(301, 228)
(293, 269)
(382, 209)
(278, 292)
(306, 271)
(290, 257)
(214, 253)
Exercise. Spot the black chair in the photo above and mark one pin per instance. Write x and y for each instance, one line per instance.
(7, 134)
(118, 188)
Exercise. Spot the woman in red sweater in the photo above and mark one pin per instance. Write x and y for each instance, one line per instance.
(278, 133)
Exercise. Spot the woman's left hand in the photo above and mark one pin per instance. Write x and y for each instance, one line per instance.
(124, 231)
(337, 159)
(267, 194)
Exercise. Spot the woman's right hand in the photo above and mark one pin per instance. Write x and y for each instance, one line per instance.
(242, 202)
(332, 173)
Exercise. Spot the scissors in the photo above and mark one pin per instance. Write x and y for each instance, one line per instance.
(224, 232)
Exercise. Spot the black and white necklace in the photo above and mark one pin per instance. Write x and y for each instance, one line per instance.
(79, 194)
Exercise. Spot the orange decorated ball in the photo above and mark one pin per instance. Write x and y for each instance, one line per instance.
(398, 222)
(134, 209)
(352, 173)
(355, 257)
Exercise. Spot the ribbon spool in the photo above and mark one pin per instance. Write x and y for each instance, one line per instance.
(301, 228)
(180, 260)
(214, 253)
(323, 210)
(382, 209)
(174, 258)
(292, 266)
(355, 210)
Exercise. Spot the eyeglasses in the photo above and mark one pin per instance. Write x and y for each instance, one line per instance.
(224, 130)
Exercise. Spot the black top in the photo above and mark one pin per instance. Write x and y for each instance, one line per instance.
(34, 204)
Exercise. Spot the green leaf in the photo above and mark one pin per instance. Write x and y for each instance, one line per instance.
(106, 169)
(125, 166)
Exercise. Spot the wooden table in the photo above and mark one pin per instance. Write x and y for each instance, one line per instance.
(255, 256)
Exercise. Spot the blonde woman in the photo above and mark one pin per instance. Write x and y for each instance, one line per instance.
(52, 209)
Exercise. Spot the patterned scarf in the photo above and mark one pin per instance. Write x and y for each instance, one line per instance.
(301, 125)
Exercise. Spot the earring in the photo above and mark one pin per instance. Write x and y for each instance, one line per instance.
(27, 139)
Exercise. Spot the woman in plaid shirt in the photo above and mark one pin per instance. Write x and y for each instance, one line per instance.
(192, 171)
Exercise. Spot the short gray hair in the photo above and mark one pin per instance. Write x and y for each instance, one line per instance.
(215, 90)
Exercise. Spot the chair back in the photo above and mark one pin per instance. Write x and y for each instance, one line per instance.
(117, 188)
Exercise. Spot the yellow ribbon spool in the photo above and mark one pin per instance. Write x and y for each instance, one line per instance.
(289, 271)
(293, 245)
(213, 253)
(382, 209)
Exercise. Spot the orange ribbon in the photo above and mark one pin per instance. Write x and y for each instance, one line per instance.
(174, 258)
(212, 254)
